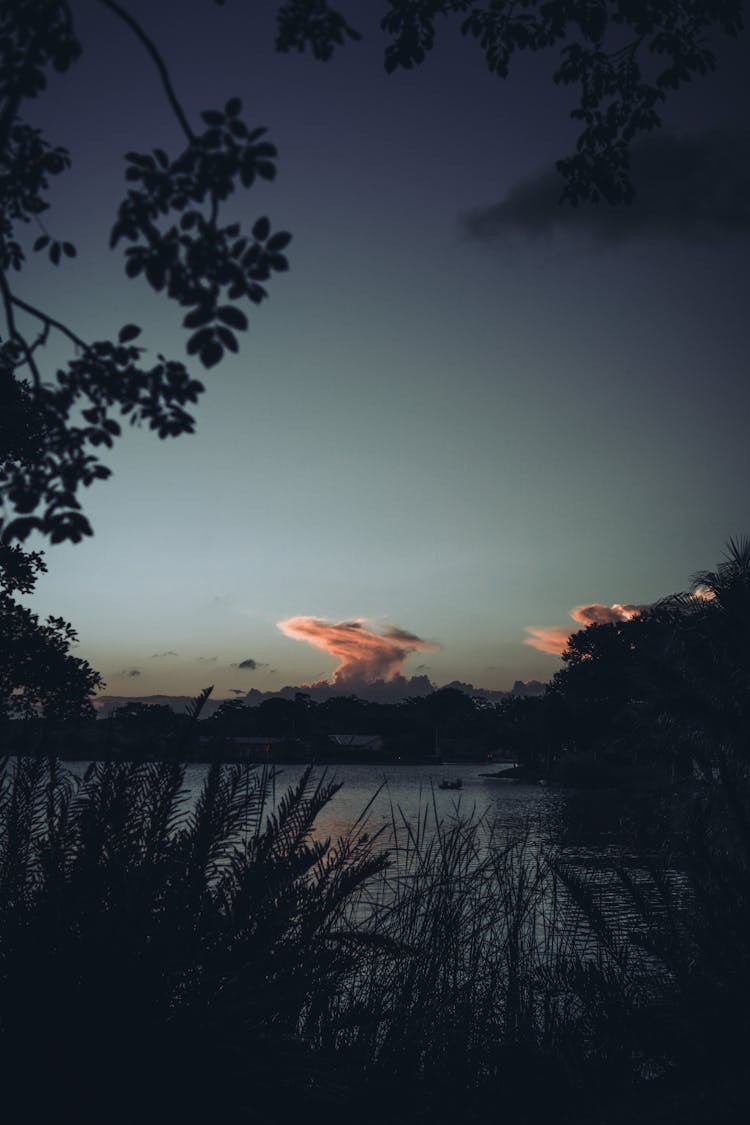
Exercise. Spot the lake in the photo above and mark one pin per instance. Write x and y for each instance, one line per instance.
(406, 790)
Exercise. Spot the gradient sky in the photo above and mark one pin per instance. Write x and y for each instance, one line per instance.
(461, 414)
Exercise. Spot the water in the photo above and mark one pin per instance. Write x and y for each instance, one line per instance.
(404, 791)
(583, 828)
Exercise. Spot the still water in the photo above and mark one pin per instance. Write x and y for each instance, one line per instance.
(593, 832)
(405, 791)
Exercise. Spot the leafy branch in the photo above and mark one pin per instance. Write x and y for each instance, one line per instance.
(170, 223)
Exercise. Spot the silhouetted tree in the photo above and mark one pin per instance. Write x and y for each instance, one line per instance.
(670, 686)
(170, 223)
(623, 57)
(232, 716)
(38, 675)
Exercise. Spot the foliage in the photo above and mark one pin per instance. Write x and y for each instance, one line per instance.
(623, 57)
(38, 674)
(219, 957)
(55, 423)
(177, 952)
(450, 718)
(672, 685)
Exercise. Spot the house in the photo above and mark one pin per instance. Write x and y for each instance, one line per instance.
(239, 747)
(358, 742)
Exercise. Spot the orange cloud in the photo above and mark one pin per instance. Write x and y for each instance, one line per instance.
(363, 655)
(552, 641)
(555, 640)
(605, 614)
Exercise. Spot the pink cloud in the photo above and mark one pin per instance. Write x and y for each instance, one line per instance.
(554, 640)
(364, 655)
(605, 614)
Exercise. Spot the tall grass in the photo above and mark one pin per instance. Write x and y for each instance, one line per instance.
(166, 953)
(165, 961)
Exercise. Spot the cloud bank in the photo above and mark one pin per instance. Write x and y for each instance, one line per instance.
(691, 187)
(554, 640)
(364, 656)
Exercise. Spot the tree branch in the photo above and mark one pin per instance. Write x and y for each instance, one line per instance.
(159, 63)
(13, 332)
(48, 321)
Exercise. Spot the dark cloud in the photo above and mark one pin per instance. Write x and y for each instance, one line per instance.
(392, 690)
(207, 659)
(236, 691)
(481, 693)
(691, 187)
(528, 687)
(130, 672)
(250, 665)
(161, 655)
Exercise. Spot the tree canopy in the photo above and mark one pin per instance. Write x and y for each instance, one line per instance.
(38, 674)
(170, 224)
(623, 58)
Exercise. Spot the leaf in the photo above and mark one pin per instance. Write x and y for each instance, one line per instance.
(228, 339)
(262, 228)
(211, 353)
(198, 316)
(198, 340)
(232, 316)
(213, 117)
(155, 273)
(41, 242)
(69, 250)
(127, 333)
(233, 107)
(279, 241)
(54, 254)
(19, 529)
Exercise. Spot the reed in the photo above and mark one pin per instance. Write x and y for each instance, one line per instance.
(166, 961)
(141, 939)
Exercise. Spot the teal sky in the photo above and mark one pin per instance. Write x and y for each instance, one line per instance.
(463, 429)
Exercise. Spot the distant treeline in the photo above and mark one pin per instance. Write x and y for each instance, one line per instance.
(656, 695)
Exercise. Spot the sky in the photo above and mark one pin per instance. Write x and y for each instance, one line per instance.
(466, 422)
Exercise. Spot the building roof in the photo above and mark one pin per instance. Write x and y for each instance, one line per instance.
(355, 740)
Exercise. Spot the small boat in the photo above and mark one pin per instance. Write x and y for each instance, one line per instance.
(508, 774)
(448, 784)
